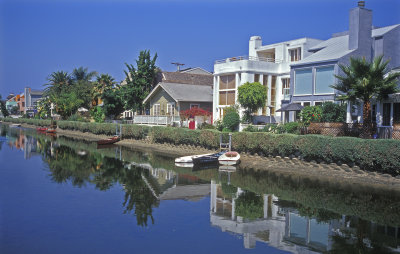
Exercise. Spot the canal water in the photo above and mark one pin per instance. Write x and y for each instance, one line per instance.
(59, 195)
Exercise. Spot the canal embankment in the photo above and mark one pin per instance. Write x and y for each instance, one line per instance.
(293, 167)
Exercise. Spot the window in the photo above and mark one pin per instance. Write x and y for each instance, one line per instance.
(318, 103)
(286, 88)
(373, 113)
(324, 78)
(170, 108)
(295, 54)
(306, 104)
(303, 82)
(194, 106)
(386, 114)
(256, 77)
(227, 82)
(396, 113)
(227, 88)
(265, 83)
(273, 95)
(156, 109)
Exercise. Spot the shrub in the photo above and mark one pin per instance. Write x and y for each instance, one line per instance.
(311, 114)
(231, 121)
(332, 112)
(250, 128)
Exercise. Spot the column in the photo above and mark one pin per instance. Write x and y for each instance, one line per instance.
(391, 114)
(348, 113)
(262, 83)
(378, 114)
(216, 98)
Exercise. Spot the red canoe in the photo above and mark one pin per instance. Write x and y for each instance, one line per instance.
(41, 129)
(108, 141)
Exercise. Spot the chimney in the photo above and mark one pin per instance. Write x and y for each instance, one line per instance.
(360, 27)
(254, 43)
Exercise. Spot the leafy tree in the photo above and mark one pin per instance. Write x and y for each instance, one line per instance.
(58, 82)
(231, 120)
(3, 107)
(252, 96)
(68, 104)
(82, 75)
(140, 80)
(83, 85)
(113, 102)
(15, 110)
(98, 114)
(362, 81)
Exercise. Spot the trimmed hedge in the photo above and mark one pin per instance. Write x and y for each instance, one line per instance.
(380, 155)
(36, 122)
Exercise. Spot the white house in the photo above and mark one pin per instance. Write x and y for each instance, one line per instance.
(269, 65)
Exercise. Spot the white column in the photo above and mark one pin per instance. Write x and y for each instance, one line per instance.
(348, 113)
(360, 116)
(379, 114)
(278, 94)
(216, 98)
(391, 114)
(262, 83)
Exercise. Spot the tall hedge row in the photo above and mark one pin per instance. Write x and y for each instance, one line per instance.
(375, 155)
(36, 122)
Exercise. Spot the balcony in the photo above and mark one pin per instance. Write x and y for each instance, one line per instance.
(250, 63)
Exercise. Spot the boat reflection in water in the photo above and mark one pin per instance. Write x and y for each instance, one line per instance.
(257, 207)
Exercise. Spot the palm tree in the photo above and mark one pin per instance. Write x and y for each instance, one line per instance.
(82, 74)
(104, 82)
(362, 81)
(57, 81)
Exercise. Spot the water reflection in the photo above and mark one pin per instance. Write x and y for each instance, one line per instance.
(296, 215)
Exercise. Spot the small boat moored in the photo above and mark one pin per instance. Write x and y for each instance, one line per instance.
(41, 129)
(15, 125)
(229, 158)
(108, 141)
(208, 159)
(189, 159)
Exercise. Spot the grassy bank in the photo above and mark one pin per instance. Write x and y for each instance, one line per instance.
(374, 155)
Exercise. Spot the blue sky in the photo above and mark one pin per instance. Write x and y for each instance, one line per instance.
(40, 37)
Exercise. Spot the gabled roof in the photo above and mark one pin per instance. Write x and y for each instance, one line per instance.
(187, 78)
(184, 92)
(337, 47)
(195, 70)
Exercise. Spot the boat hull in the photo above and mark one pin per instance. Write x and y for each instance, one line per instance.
(208, 159)
(189, 159)
(229, 159)
(108, 141)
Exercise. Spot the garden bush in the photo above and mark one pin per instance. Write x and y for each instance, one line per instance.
(231, 120)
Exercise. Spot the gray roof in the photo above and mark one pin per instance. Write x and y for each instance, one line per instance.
(337, 47)
(291, 107)
(184, 92)
(186, 78)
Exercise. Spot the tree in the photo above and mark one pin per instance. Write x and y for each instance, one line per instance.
(113, 103)
(311, 114)
(3, 107)
(139, 81)
(58, 81)
(103, 82)
(252, 96)
(333, 112)
(231, 119)
(362, 81)
(67, 104)
(83, 85)
(82, 74)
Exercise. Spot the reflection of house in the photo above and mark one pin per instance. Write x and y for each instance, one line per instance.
(312, 76)
(182, 90)
(168, 185)
(282, 227)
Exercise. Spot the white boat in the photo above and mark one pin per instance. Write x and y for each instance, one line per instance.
(184, 165)
(15, 125)
(229, 158)
(189, 159)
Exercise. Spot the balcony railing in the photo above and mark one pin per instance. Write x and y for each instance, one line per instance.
(251, 58)
(154, 120)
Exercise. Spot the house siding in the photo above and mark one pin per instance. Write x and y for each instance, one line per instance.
(162, 97)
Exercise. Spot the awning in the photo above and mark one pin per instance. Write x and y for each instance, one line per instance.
(291, 107)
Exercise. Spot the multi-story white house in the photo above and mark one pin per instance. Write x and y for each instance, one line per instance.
(267, 64)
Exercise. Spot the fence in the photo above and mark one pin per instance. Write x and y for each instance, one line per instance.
(351, 130)
(154, 120)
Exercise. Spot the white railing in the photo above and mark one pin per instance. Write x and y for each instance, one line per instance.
(251, 58)
(153, 120)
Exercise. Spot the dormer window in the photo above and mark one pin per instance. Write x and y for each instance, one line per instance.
(295, 54)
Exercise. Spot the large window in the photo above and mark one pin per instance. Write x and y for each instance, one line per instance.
(227, 88)
(386, 114)
(227, 82)
(170, 108)
(295, 54)
(303, 82)
(273, 95)
(396, 113)
(324, 79)
(286, 88)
